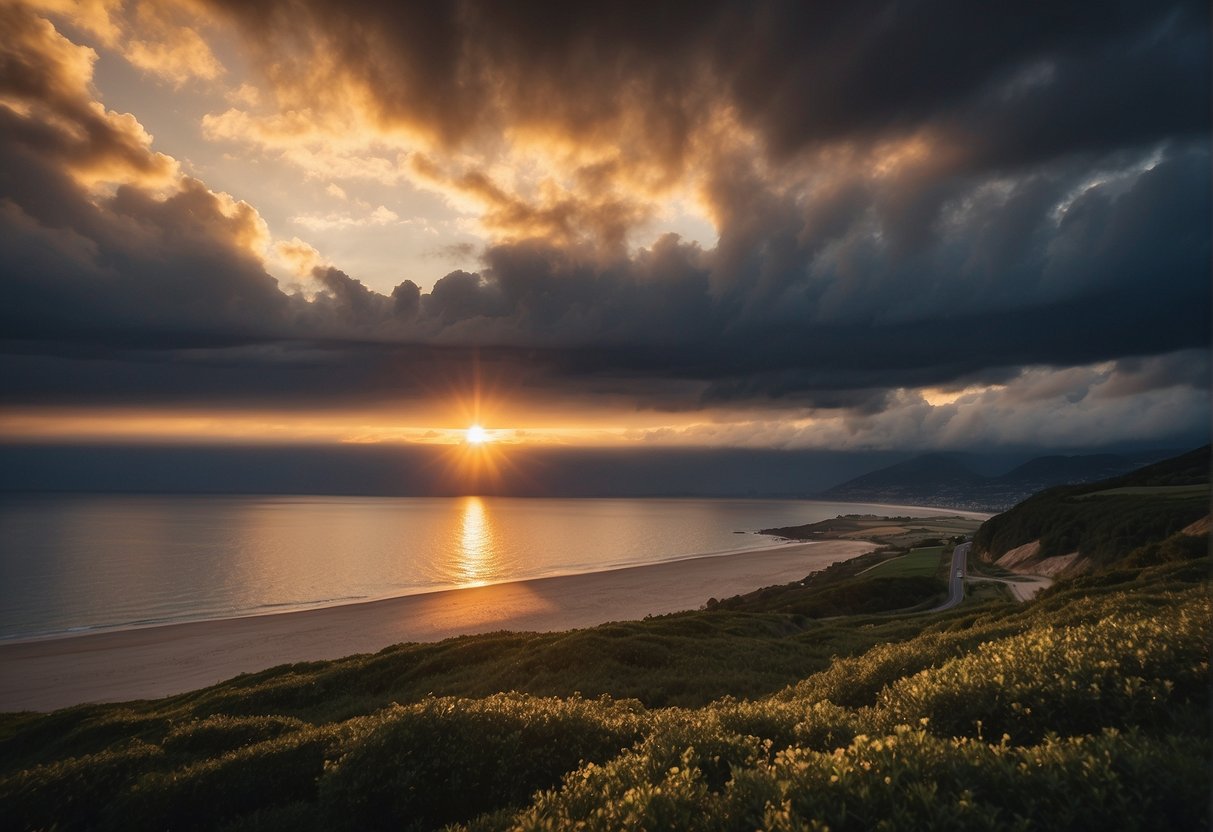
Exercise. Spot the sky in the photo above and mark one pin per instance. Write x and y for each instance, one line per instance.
(858, 227)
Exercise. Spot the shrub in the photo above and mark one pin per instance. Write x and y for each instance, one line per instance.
(783, 723)
(200, 796)
(68, 793)
(445, 760)
(908, 779)
(1121, 671)
(221, 733)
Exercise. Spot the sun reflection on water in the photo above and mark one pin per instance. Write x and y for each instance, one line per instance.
(477, 556)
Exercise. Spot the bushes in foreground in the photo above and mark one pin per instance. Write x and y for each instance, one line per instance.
(908, 779)
(1121, 671)
(445, 760)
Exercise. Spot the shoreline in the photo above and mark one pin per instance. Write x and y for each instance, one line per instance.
(143, 662)
(33, 623)
(290, 608)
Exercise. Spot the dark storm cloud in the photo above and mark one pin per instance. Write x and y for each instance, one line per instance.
(348, 299)
(128, 268)
(939, 192)
(1015, 81)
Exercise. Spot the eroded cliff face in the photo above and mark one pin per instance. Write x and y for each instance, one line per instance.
(1200, 527)
(1026, 560)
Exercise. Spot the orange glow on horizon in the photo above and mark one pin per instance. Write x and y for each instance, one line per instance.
(268, 427)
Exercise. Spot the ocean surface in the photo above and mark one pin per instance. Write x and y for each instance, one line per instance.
(79, 562)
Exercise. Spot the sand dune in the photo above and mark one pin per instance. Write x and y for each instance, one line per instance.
(157, 661)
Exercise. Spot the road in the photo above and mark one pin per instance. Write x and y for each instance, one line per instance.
(956, 577)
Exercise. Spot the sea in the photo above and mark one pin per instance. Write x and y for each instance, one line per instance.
(75, 563)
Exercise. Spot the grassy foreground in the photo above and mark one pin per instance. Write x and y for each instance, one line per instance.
(1086, 709)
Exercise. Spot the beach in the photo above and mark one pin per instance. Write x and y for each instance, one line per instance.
(141, 663)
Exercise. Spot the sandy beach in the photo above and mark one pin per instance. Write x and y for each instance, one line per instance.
(149, 662)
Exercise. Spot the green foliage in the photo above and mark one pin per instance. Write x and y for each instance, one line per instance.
(1191, 468)
(860, 596)
(1177, 547)
(1104, 529)
(222, 733)
(925, 561)
(1129, 670)
(1106, 520)
(1198, 490)
(907, 779)
(75, 732)
(71, 793)
(444, 760)
(685, 659)
(266, 774)
(899, 532)
(785, 723)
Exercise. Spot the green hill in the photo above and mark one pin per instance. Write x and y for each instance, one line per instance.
(1087, 708)
(1104, 521)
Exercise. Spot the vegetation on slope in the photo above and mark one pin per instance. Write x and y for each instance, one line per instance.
(1107, 520)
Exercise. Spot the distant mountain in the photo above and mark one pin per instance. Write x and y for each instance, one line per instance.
(948, 479)
(1046, 471)
(945, 479)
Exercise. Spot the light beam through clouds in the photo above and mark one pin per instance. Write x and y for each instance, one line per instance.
(771, 226)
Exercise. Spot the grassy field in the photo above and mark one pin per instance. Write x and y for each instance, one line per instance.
(899, 532)
(1172, 491)
(978, 592)
(928, 561)
(844, 589)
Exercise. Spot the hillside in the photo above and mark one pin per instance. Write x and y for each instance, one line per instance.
(1080, 528)
(793, 708)
(949, 480)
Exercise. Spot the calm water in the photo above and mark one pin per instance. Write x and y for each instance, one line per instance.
(95, 561)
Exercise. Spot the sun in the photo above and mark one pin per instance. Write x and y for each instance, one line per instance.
(477, 435)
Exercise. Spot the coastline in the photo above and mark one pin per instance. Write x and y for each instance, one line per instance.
(207, 557)
(289, 608)
(147, 662)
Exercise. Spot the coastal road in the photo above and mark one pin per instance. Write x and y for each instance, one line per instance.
(956, 577)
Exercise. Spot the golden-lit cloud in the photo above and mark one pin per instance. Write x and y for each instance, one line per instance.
(162, 45)
(101, 18)
(161, 38)
(46, 80)
(298, 257)
(348, 149)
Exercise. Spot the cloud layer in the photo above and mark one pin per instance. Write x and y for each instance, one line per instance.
(906, 196)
